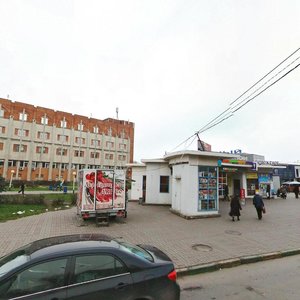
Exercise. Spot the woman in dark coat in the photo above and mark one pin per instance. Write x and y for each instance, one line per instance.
(235, 207)
(296, 191)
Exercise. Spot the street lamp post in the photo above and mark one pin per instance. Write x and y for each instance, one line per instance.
(11, 177)
(74, 177)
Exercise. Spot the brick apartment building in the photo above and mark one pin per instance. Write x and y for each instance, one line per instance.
(38, 143)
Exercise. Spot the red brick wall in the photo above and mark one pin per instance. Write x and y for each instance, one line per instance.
(55, 117)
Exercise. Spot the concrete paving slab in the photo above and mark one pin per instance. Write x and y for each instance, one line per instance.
(192, 244)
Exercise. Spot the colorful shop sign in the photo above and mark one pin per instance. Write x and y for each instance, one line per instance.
(238, 162)
(251, 176)
(264, 178)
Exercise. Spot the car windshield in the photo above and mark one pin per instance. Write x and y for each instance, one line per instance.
(136, 250)
(11, 261)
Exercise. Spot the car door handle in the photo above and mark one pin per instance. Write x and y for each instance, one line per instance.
(121, 285)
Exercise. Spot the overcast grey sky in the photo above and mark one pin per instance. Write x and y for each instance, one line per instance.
(170, 66)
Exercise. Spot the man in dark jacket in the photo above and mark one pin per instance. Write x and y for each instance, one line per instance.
(259, 204)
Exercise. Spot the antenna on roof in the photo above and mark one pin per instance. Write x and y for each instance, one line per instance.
(117, 112)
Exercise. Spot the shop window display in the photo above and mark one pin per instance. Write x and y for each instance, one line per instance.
(222, 182)
(208, 188)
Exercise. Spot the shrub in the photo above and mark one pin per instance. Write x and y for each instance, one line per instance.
(2, 184)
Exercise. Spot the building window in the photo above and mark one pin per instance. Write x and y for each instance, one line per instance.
(80, 127)
(109, 145)
(19, 148)
(23, 117)
(41, 149)
(109, 156)
(95, 143)
(43, 135)
(64, 166)
(62, 138)
(21, 132)
(61, 151)
(122, 157)
(95, 129)
(78, 153)
(44, 120)
(164, 184)
(63, 124)
(122, 146)
(95, 154)
(79, 140)
(2, 129)
(1, 146)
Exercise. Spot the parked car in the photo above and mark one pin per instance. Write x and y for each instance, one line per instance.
(87, 267)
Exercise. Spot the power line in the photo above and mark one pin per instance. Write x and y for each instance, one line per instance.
(229, 112)
(231, 108)
(267, 82)
(267, 87)
(225, 118)
(264, 76)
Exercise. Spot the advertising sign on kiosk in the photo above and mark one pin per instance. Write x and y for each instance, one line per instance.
(242, 196)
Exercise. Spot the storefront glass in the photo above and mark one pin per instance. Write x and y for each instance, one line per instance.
(252, 183)
(208, 188)
(222, 183)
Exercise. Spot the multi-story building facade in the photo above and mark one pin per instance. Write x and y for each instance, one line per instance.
(38, 143)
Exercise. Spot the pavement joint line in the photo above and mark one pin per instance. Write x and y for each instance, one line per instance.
(234, 262)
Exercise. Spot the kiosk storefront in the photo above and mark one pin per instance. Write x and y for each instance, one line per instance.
(234, 173)
(252, 183)
(197, 181)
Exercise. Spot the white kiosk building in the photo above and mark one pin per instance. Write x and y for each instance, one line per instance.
(193, 182)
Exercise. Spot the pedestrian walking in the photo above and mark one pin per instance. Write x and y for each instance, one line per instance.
(268, 191)
(296, 191)
(22, 189)
(235, 208)
(259, 205)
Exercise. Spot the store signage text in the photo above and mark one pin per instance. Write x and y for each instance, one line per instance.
(271, 163)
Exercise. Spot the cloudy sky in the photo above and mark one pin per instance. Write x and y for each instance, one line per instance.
(170, 66)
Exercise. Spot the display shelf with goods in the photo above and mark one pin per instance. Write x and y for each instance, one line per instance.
(222, 182)
(208, 187)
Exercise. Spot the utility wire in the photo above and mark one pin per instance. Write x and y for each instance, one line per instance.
(231, 108)
(242, 105)
(264, 76)
(230, 111)
(267, 88)
(266, 82)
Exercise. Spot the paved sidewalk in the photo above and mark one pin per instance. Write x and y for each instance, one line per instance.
(194, 245)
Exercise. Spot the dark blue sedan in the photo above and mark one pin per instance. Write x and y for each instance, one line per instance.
(87, 267)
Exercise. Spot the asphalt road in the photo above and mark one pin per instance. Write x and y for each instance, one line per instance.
(269, 280)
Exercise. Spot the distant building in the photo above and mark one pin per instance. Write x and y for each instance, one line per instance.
(38, 143)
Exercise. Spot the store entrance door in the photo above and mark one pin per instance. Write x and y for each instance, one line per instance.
(236, 186)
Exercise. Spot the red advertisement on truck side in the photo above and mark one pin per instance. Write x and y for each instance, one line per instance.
(101, 190)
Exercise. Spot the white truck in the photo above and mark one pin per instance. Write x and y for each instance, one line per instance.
(101, 194)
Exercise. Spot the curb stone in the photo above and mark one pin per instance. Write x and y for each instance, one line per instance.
(234, 262)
